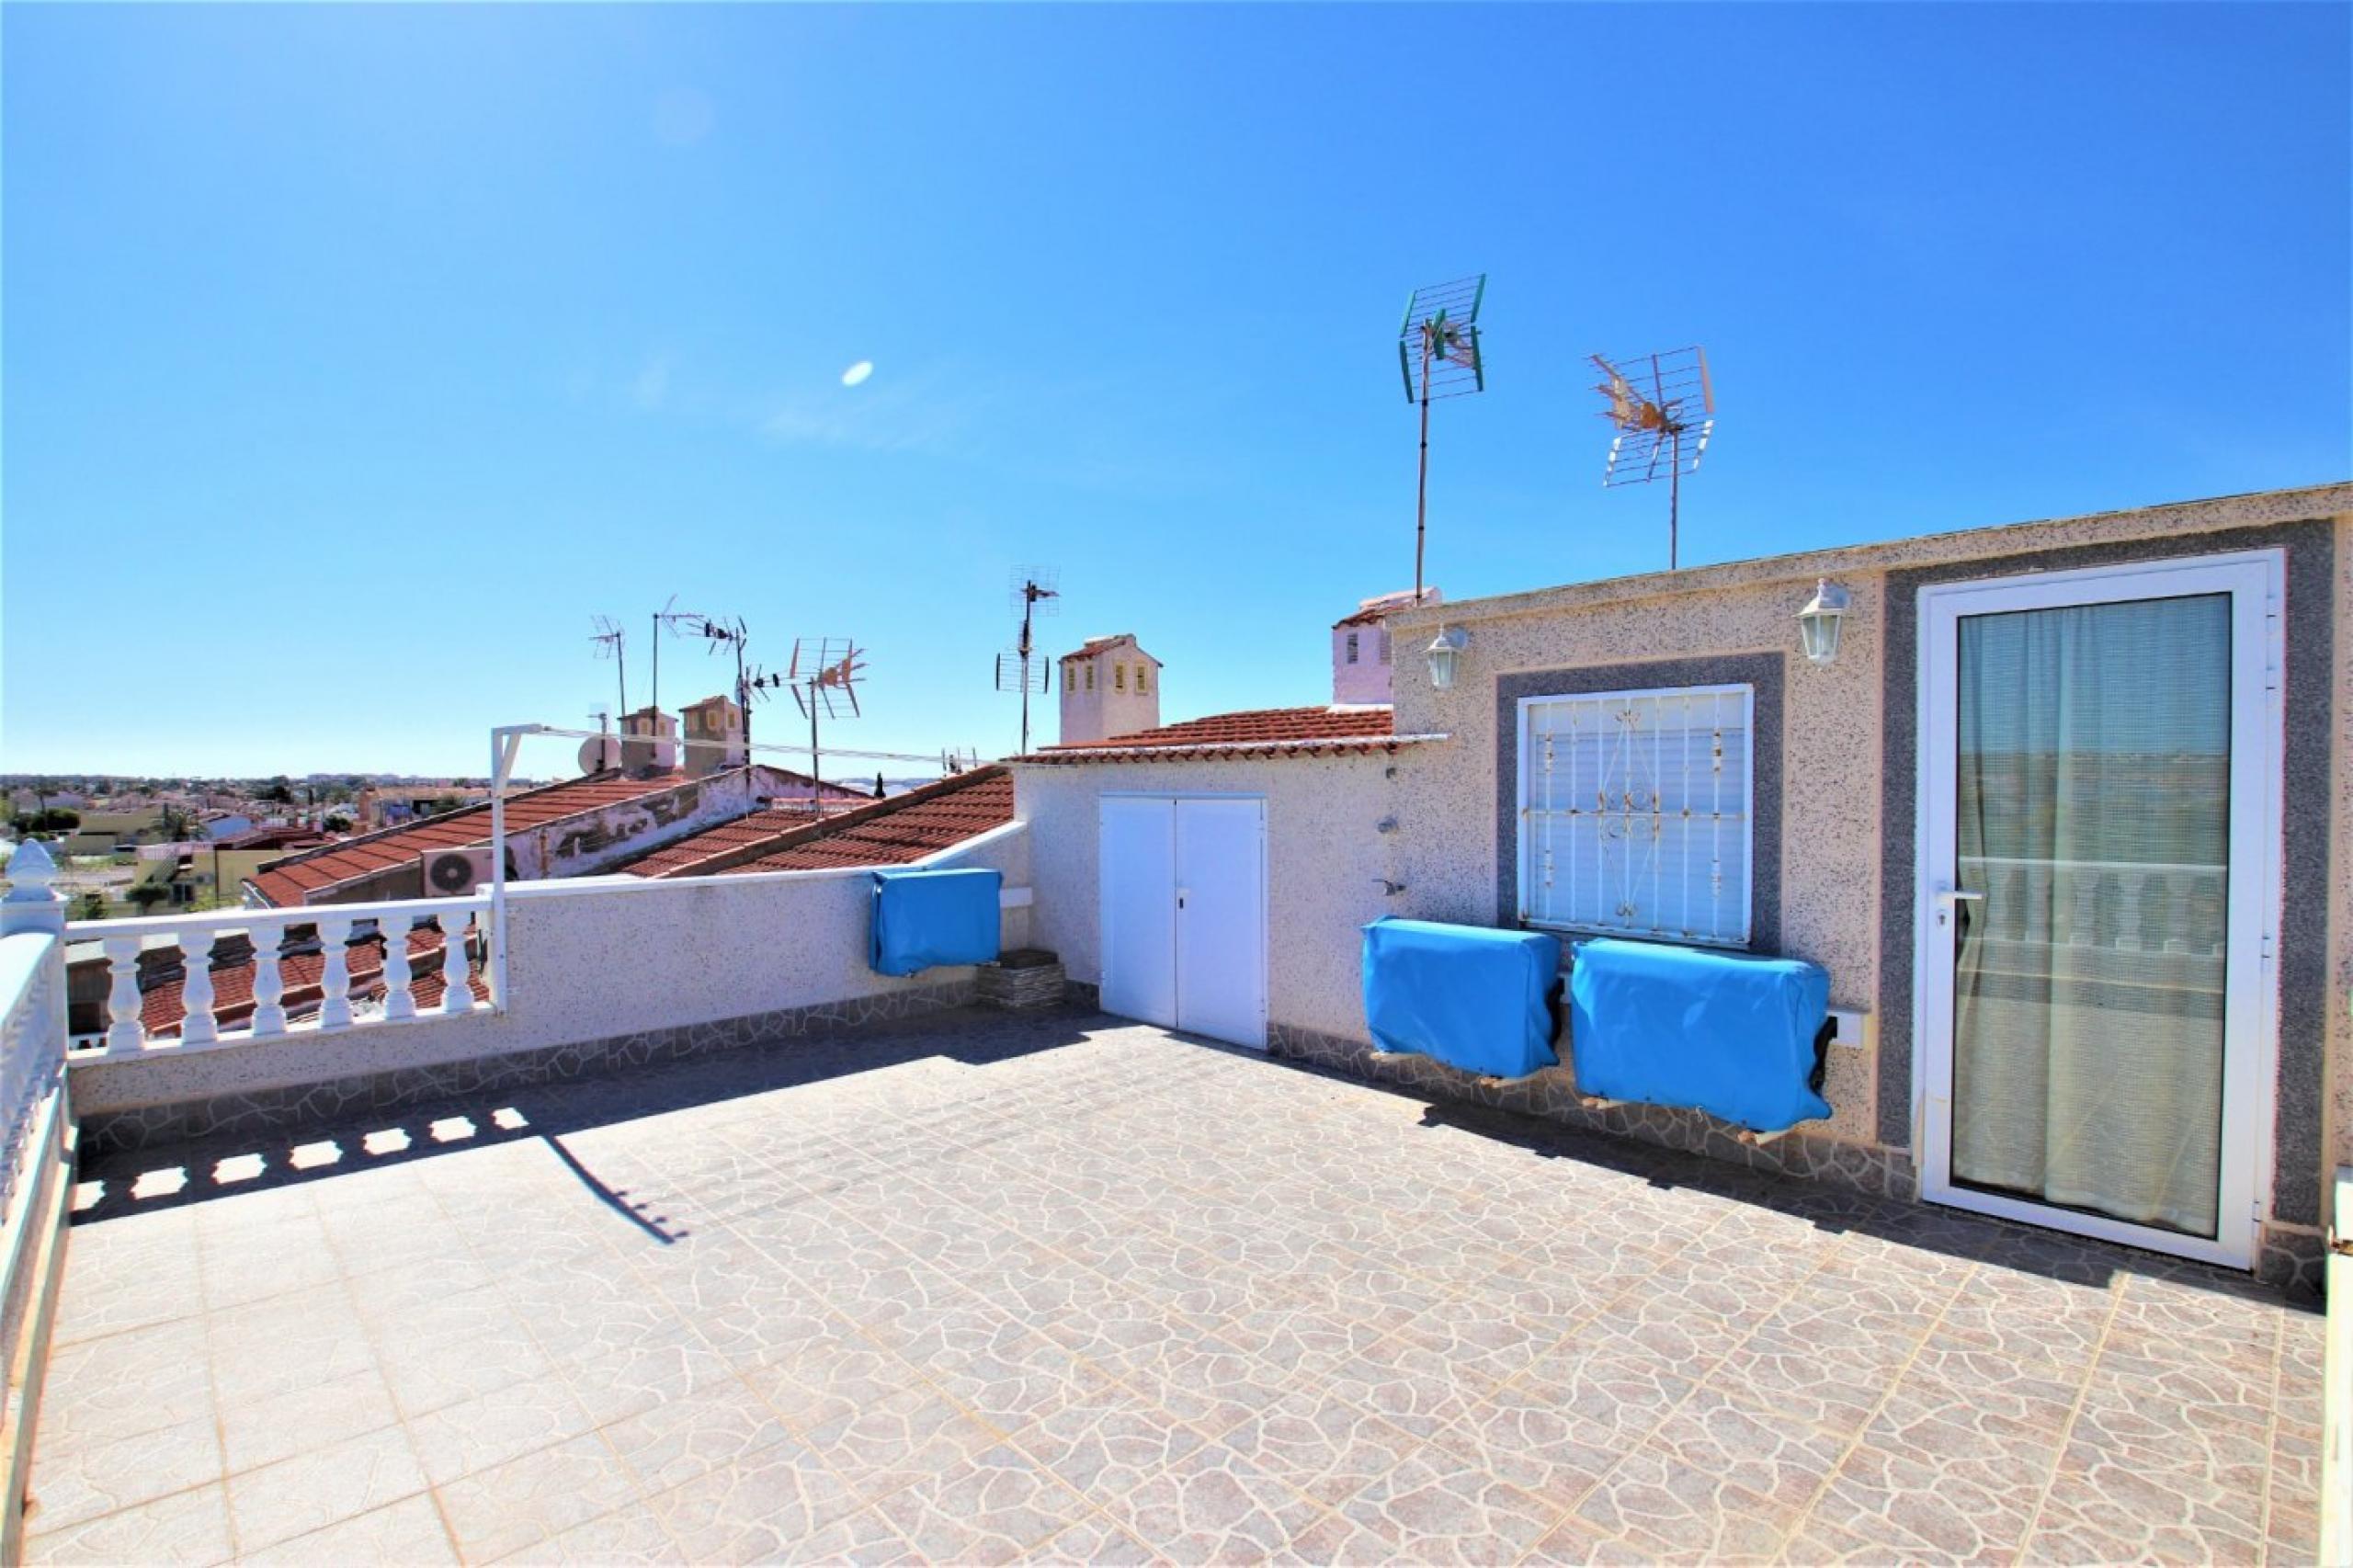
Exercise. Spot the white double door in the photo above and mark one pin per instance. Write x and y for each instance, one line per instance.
(1184, 913)
(2099, 794)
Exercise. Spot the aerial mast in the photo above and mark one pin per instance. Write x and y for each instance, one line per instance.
(612, 644)
(1663, 408)
(1439, 356)
(669, 618)
(1034, 592)
(824, 676)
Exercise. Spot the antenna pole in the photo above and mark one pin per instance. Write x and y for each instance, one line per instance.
(656, 699)
(816, 777)
(1422, 486)
(1675, 500)
(744, 699)
(1029, 603)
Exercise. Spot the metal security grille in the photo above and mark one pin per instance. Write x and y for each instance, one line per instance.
(1634, 813)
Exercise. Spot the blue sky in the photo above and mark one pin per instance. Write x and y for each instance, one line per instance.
(355, 356)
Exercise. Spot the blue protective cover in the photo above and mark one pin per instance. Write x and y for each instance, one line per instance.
(1471, 997)
(922, 918)
(1731, 1035)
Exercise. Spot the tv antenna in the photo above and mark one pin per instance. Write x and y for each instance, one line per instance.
(1663, 407)
(718, 632)
(670, 619)
(824, 676)
(1438, 355)
(612, 642)
(1034, 592)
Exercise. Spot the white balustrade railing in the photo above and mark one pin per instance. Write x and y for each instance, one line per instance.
(32, 1003)
(321, 942)
(2112, 906)
(32, 1039)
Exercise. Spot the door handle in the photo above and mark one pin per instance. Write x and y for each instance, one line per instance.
(1948, 898)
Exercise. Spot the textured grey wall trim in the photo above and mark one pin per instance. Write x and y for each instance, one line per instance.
(304, 1104)
(1551, 1094)
(1763, 671)
(2306, 707)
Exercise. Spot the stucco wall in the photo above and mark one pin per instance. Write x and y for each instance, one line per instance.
(1456, 855)
(1325, 857)
(1835, 735)
(586, 960)
(1367, 680)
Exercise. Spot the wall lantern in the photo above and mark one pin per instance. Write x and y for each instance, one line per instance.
(1444, 649)
(1818, 623)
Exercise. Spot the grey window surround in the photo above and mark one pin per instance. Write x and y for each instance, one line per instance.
(1763, 674)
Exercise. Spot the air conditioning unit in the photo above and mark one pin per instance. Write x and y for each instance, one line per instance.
(451, 872)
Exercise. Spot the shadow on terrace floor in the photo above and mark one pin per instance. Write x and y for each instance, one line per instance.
(1950, 1233)
(141, 1181)
(119, 1182)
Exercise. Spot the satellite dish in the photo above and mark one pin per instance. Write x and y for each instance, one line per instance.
(600, 753)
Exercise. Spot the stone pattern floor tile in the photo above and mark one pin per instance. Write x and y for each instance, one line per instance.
(1065, 1289)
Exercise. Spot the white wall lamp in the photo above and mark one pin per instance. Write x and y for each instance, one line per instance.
(1446, 648)
(1818, 623)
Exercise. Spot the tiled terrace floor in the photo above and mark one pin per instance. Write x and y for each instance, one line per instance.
(1072, 1290)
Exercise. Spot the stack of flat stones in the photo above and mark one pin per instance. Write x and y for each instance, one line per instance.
(1022, 980)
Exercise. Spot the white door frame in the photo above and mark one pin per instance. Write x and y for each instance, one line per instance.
(2250, 1027)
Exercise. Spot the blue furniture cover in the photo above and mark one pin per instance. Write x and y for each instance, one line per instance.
(1465, 996)
(1735, 1036)
(922, 918)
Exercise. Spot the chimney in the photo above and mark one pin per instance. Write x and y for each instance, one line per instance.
(649, 743)
(1361, 655)
(714, 736)
(1110, 688)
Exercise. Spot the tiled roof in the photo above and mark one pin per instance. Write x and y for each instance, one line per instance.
(721, 843)
(1373, 610)
(290, 881)
(1262, 724)
(1098, 644)
(1267, 731)
(895, 832)
(280, 837)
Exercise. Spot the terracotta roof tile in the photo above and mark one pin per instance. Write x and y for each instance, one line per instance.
(288, 882)
(1097, 644)
(680, 859)
(1267, 731)
(1376, 609)
(1263, 724)
(898, 831)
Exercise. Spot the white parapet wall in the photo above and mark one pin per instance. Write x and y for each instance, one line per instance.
(36, 1116)
(589, 960)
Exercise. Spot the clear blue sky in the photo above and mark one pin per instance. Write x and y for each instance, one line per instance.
(355, 356)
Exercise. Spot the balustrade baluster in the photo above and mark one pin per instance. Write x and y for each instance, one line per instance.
(2174, 933)
(398, 1003)
(335, 980)
(457, 997)
(270, 984)
(2129, 883)
(125, 1031)
(197, 1025)
(2086, 929)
